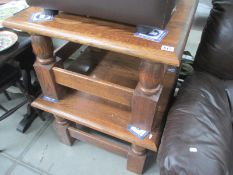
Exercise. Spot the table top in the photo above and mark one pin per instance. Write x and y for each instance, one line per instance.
(23, 42)
(113, 36)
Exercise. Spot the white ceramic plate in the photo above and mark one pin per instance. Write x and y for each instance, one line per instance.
(7, 39)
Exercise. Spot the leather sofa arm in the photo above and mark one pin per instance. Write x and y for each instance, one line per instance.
(198, 137)
(229, 91)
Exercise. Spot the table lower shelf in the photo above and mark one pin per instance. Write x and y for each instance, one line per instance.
(98, 114)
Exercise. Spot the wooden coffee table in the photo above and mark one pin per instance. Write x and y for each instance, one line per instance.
(130, 82)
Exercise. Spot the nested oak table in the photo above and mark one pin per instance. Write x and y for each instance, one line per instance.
(130, 80)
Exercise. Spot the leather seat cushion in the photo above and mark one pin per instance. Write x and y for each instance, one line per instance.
(137, 12)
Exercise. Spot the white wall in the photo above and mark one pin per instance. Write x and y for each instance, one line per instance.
(199, 22)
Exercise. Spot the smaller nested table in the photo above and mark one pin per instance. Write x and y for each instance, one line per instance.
(119, 80)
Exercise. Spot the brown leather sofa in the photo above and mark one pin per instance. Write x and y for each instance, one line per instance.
(137, 12)
(198, 136)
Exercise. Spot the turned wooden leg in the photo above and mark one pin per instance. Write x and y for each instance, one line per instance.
(60, 126)
(136, 159)
(146, 95)
(45, 61)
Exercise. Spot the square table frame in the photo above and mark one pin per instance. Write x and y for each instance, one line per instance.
(109, 107)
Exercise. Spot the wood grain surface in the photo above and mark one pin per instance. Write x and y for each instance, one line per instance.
(112, 36)
(96, 113)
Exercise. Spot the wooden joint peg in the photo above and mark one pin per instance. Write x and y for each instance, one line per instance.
(60, 126)
(136, 159)
(43, 49)
(147, 94)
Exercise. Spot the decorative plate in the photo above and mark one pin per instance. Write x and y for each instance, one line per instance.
(7, 39)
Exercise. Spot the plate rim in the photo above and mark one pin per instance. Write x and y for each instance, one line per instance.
(13, 34)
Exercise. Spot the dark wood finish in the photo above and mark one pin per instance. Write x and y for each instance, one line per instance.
(168, 83)
(47, 82)
(117, 69)
(164, 102)
(95, 113)
(113, 36)
(66, 50)
(146, 95)
(119, 90)
(61, 126)
(99, 141)
(120, 94)
(74, 103)
(114, 78)
(136, 159)
(150, 77)
(43, 49)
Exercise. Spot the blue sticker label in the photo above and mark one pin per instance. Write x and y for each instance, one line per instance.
(40, 17)
(171, 69)
(49, 99)
(150, 33)
(138, 132)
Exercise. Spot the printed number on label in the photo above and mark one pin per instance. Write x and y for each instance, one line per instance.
(168, 48)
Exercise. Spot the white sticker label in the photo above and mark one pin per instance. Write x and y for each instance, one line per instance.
(167, 48)
(193, 150)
